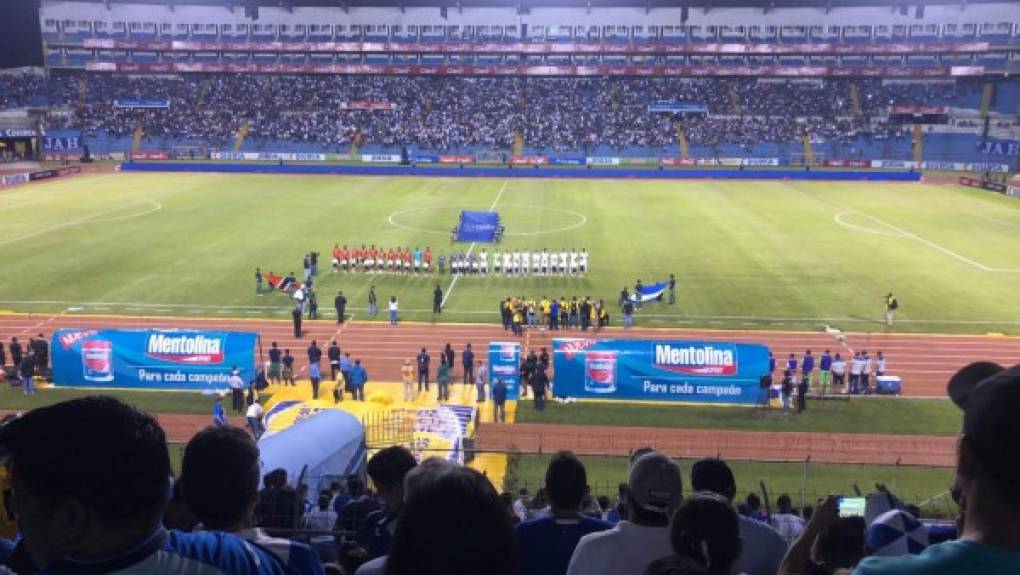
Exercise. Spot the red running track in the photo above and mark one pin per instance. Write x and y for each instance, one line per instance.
(924, 362)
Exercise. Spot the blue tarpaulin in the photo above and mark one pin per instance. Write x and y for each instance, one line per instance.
(331, 443)
(477, 226)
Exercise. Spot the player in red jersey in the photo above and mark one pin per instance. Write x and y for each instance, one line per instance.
(345, 255)
(427, 258)
(373, 253)
(336, 257)
(407, 260)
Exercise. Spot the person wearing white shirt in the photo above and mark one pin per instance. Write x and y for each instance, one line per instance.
(507, 262)
(584, 261)
(516, 268)
(254, 417)
(839, 372)
(653, 493)
(236, 391)
(564, 263)
(393, 310)
(545, 262)
(856, 365)
(322, 519)
(787, 524)
(880, 365)
(573, 262)
(865, 372)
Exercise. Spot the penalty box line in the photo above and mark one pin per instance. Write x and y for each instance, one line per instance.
(471, 248)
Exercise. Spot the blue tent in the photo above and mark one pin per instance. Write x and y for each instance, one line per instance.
(331, 443)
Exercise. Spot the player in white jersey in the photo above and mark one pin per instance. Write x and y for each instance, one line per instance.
(573, 262)
(545, 262)
(483, 263)
(507, 262)
(564, 263)
(584, 261)
(516, 268)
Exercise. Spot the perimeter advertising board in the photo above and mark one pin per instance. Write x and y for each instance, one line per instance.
(505, 365)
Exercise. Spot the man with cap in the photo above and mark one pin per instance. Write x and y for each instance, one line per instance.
(987, 473)
(654, 490)
(763, 548)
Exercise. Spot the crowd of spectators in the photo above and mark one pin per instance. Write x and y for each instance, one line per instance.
(93, 492)
(449, 114)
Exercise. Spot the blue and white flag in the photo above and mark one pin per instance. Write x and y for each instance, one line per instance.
(651, 292)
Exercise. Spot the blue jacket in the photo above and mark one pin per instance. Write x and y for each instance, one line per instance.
(219, 416)
(358, 375)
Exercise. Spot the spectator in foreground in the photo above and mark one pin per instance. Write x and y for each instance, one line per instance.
(277, 503)
(354, 514)
(787, 523)
(453, 523)
(654, 490)
(828, 545)
(387, 468)
(705, 535)
(220, 480)
(987, 471)
(91, 481)
(546, 543)
(763, 548)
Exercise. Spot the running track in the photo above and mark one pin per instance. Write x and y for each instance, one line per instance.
(924, 362)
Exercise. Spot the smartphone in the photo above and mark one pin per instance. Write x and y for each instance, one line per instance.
(851, 506)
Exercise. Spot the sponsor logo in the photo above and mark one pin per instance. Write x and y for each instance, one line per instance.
(696, 360)
(69, 338)
(504, 369)
(185, 348)
(574, 347)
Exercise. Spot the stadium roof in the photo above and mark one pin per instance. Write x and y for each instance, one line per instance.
(700, 4)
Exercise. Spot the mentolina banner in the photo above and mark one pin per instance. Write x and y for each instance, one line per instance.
(659, 370)
(151, 359)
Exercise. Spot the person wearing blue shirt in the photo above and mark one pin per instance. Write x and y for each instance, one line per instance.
(791, 364)
(547, 543)
(219, 480)
(101, 510)
(824, 367)
(359, 377)
(219, 416)
(772, 363)
(345, 364)
(987, 474)
(807, 366)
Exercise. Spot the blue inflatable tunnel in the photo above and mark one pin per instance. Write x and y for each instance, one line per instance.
(331, 443)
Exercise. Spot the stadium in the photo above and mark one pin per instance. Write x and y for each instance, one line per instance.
(532, 287)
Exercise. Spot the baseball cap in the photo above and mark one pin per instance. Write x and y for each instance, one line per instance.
(655, 483)
(989, 396)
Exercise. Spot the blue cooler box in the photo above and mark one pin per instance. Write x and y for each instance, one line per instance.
(887, 385)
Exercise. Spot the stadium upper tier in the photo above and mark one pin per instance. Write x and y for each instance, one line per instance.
(733, 117)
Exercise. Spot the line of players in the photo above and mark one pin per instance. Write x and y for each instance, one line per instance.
(510, 263)
(381, 260)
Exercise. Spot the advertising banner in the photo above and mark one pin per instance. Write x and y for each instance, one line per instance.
(161, 155)
(1007, 148)
(847, 163)
(151, 358)
(526, 160)
(759, 162)
(898, 164)
(946, 166)
(61, 144)
(14, 179)
(456, 159)
(381, 158)
(567, 161)
(542, 70)
(918, 109)
(268, 156)
(18, 133)
(423, 158)
(602, 161)
(988, 167)
(677, 107)
(505, 365)
(659, 370)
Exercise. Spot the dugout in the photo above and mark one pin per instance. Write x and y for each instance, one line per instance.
(18, 145)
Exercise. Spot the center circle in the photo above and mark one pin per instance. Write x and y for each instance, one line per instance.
(405, 219)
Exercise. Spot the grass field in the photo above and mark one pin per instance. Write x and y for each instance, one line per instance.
(11, 399)
(747, 254)
(913, 484)
(874, 416)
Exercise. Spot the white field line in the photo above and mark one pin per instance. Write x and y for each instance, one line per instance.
(85, 220)
(917, 238)
(456, 277)
(995, 220)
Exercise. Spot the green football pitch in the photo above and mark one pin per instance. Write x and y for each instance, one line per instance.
(778, 255)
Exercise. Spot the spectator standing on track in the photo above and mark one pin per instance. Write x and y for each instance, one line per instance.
(274, 363)
(340, 305)
(236, 391)
(791, 364)
(654, 491)
(393, 310)
(333, 356)
(987, 472)
(554, 315)
(807, 366)
(219, 416)
(449, 355)
(295, 314)
(499, 391)
(824, 369)
(288, 368)
(258, 281)
(372, 307)
(480, 377)
(467, 361)
(359, 377)
(865, 384)
(762, 547)
(103, 512)
(839, 372)
(15, 349)
(856, 365)
(407, 378)
(786, 390)
(314, 369)
(505, 313)
(539, 384)
(254, 418)
(443, 379)
(220, 480)
(423, 369)
(345, 364)
(802, 391)
(547, 543)
(42, 354)
(879, 366)
(27, 372)
(437, 300)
